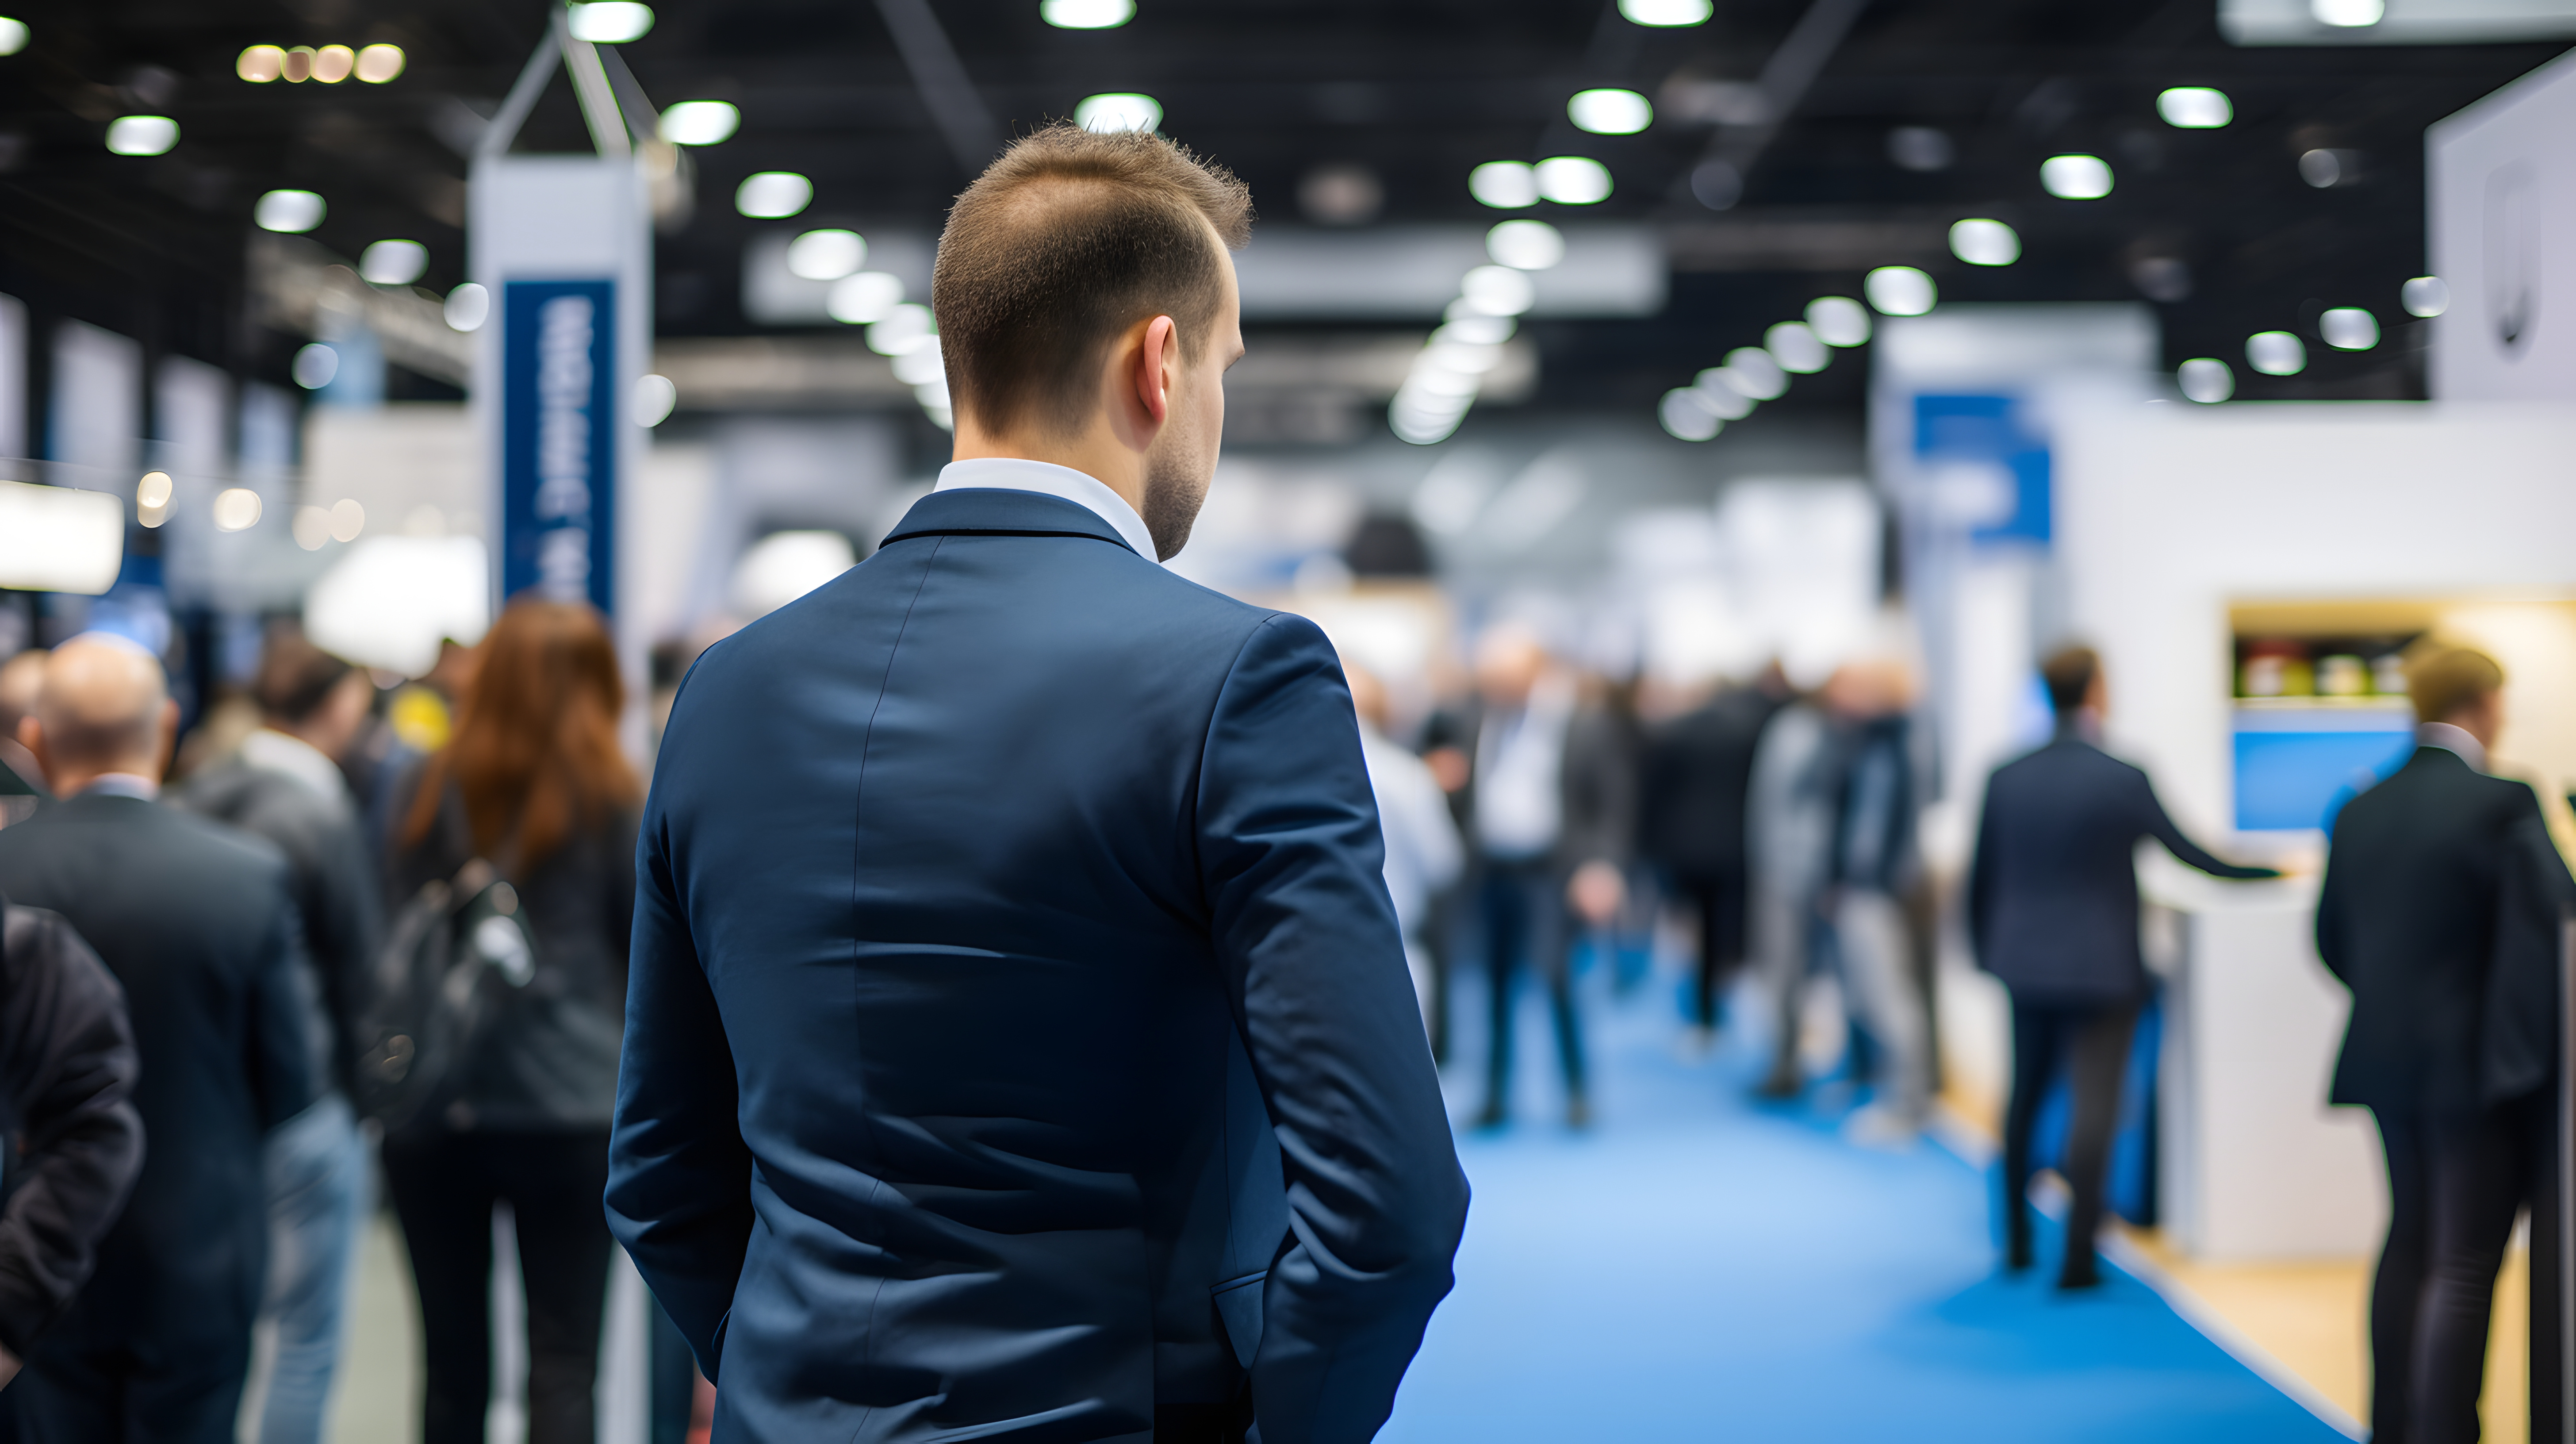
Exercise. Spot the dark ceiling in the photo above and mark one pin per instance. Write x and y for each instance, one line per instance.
(1416, 91)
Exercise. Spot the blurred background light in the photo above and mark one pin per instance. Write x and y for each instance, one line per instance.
(2195, 107)
(2349, 328)
(1477, 330)
(1525, 245)
(864, 298)
(13, 35)
(236, 509)
(655, 397)
(826, 255)
(468, 307)
(259, 64)
(390, 600)
(2207, 380)
(700, 122)
(1899, 291)
(1610, 112)
(1983, 242)
(1797, 348)
(347, 519)
(921, 365)
(142, 134)
(2327, 168)
(393, 262)
(59, 539)
(2348, 14)
(152, 498)
(380, 63)
(311, 527)
(903, 328)
(296, 66)
(1921, 148)
(1719, 394)
(772, 195)
(2075, 177)
(1117, 111)
(1753, 371)
(288, 212)
(1573, 180)
(1684, 413)
(2425, 296)
(1504, 184)
(1667, 12)
(2276, 353)
(314, 366)
(1838, 320)
(785, 565)
(1086, 14)
(334, 63)
(1498, 291)
(611, 22)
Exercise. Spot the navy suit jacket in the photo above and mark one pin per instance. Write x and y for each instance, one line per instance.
(964, 884)
(2053, 892)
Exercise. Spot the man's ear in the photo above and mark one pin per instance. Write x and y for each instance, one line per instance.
(31, 735)
(1158, 368)
(169, 747)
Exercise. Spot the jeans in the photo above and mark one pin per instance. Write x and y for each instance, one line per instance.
(318, 1187)
(1525, 926)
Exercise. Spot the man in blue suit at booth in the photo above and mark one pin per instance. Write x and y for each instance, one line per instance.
(1019, 1043)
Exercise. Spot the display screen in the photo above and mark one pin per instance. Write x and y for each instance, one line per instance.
(2296, 768)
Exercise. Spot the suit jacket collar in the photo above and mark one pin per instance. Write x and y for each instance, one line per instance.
(995, 512)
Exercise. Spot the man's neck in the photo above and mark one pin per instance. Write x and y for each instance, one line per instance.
(1095, 454)
(74, 782)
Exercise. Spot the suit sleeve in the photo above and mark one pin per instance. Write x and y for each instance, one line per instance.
(70, 1066)
(2330, 906)
(286, 1053)
(679, 1173)
(1981, 880)
(2161, 827)
(1299, 916)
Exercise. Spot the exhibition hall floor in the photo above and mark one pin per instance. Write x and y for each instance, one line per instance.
(1699, 1266)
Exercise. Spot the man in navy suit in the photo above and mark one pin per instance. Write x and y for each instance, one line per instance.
(2053, 914)
(1019, 1043)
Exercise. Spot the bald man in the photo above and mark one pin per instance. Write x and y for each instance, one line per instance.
(23, 780)
(198, 925)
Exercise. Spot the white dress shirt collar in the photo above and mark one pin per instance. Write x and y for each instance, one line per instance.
(1011, 473)
(2453, 739)
(270, 750)
(123, 784)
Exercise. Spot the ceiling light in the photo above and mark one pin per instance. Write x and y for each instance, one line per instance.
(1476, 330)
(311, 527)
(1984, 243)
(348, 519)
(2348, 14)
(153, 490)
(393, 263)
(2207, 380)
(2349, 328)
(826, 255)
(1610, 112)
(142, 134)
(1667, 12)
(1573, 180)
(2326, 169)
(2076, 177)
(13, 35)
(1685, 414)
(904, 328)
(1498, 290)
(655, 397)
(332, 63)
(236, 509)
(1086, 14)
(468, 307)
(700, 122)
(1719, 394)
(1797, 348)
(864, 299)
(2195, 107)
(2425, 296)
(1506, 185)
(1751, 370)
(1466, 358)
(1899, 291)
(260, 64)
(288, 212)
(314, 366)
(1117, 111)
(611, 22)
(772, 195)
(2276, 353)
(1526, 245)
(1838, 320)
(380, 63)
(921, 365)
(297, 66)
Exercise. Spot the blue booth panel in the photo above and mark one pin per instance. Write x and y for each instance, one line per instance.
(2293, 773)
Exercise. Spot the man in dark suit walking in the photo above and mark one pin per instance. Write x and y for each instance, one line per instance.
(2440, 911)
(198, 924)
(1019, 1043)
(2053, 914)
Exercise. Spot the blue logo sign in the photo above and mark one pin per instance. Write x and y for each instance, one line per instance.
(559, 440)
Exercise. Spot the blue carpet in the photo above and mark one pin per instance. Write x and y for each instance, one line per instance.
(1701, 1267)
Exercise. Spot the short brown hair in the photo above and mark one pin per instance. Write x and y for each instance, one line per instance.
(2441, 684)
(2069, 673)
(1065, 242)
(295, 677)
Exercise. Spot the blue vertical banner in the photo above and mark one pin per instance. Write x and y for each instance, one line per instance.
(559, 440)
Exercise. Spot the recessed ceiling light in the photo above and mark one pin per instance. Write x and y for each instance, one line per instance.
(288, 212)
(1838, 320)
(468, 307)
(1984, 242)
(903, 330)
(864, 299)
(1755, 372)
(380, 63)
(314, 366)
(236, 509)
(1526, 245)
(2195, 107)
(1506, 185)
(1573, 180)
(333, 63)
(393, 263)
(826, 255)
(1797, 348)
(2425, 296)
(2206, 379)
(1086, 14)
(142, 134)
(13, 35)
(1117, 111)
(1667, 12)
(1717, 387)
(611, 22)
(2348, 14)
(2076, 177)
(1498, 291)
(2349, 328)
(2276, 353)
(771, 195)
(1899, 291)
(700, 122)
(1610, 112)
(1684, 412)
(260, 64)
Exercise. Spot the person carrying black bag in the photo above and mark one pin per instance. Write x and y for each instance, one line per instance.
(529, 816)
